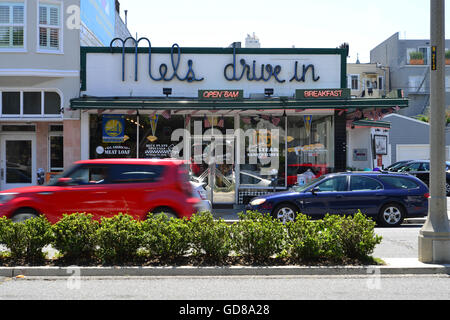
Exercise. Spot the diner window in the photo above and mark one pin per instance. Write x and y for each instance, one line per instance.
(310, 147)
(49, 27)
(263, 151)
(155, 136)
(30, 103)
(12, 25)
(113, 136)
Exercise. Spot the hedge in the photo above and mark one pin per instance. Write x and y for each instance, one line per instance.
(255, 238)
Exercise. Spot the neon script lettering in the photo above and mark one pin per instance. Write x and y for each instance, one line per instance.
(175, 58)
(266, 71)
(322, 93)
(217, 94)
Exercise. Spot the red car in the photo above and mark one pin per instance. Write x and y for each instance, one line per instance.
(107, 187)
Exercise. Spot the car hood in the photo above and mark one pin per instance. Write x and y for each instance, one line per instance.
(280, 195)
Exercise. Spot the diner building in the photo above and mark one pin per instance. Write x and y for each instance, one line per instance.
(247, 120)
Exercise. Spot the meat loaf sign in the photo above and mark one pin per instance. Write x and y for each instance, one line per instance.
(235, 71)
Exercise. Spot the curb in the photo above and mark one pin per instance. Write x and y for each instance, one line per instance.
(393, 267)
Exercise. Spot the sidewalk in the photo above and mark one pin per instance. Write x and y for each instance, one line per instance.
(394, 266)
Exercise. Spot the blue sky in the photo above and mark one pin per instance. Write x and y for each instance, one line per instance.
(280, 23)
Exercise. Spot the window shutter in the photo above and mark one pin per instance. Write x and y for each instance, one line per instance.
(42, 15)
(4, 14)
(54, 38)
(54, 16)
(18, 14)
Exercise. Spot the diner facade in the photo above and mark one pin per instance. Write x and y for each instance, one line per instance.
(247, 121)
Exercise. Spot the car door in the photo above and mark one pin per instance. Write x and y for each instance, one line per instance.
(84, 189)
(327, 197)
(134, 186)
(423, 172)
(417, 169)
(366, 194)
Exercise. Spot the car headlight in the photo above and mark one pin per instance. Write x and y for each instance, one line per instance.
(5, 197)
(257, 202)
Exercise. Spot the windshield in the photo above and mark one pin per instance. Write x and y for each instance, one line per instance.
(307, 185)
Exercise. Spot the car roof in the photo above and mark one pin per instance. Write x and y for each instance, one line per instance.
(372, 173)
(167, 161)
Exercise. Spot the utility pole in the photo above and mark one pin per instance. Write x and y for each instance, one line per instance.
(434, 237)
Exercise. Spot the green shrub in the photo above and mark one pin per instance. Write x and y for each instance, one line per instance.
(357, 237)
(258, 237)
(75, 236)
(447, 54)
(166, 238)
(333, 238)
(25, 240)
(416, 55)
(209, 237)
(119, 239)
(304, 238)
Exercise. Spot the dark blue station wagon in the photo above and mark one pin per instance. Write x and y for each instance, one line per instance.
(389, 198)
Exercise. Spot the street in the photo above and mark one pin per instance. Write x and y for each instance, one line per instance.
(401, 287)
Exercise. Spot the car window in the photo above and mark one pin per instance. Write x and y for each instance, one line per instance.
(400, 182)
(425, 166)
(412, 167)
(358, 183)
(129, 173)
(88, 175)
(333, 184)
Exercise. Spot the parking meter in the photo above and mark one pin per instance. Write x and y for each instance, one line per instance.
(40, 173)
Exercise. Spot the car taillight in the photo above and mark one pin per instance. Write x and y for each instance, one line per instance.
(426, 195)
(202, 194)
(183, 181)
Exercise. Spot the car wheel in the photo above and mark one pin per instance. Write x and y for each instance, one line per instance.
(391, 215)
(285, 212)
(24, 214)
(165, 211)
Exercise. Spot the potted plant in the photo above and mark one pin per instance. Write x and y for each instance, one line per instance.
(447, 56)
(415, 57)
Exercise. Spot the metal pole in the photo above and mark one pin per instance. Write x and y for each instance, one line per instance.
(434, 237)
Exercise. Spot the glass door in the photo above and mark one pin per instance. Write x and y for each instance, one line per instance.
(18, 161)
(213, 157)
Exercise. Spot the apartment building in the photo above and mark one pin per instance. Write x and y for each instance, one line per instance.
(39, 75)
(409, 68)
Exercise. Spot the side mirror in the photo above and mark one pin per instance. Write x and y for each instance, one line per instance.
(64, 181)
(315, 190)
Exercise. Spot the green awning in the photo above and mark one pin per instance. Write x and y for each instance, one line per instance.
(148, 103)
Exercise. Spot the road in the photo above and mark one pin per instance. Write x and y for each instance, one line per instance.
(231, 288)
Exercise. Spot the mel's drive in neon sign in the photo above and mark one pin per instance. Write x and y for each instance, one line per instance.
(234, 71)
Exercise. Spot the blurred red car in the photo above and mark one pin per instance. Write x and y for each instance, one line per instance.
(107, 187)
